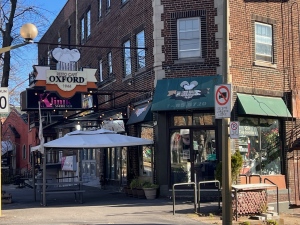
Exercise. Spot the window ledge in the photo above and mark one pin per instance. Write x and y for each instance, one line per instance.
(189, 60)
(126, 78)
(265, 64)
(140, 71)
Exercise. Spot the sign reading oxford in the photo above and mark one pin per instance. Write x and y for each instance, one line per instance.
(65, 81)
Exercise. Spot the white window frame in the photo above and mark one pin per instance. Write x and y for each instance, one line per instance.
(189, 37)
(88, 23)
(140, 53)
(109, 63)
(127, 58)
(82, 26)
(264, 40)
(100, 8)
(100, 70)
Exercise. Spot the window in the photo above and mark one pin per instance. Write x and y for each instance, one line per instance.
(99, 8)
(88, 23)
(109, 62)
(259, 145)
(123, 1)
(100, 70)
(127, 58)
(82, 29)
(189, 37)
(59, 42)
(141, 53)
(107, 4)
(24, 152)
(263, 42)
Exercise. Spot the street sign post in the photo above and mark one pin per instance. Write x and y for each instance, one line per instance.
(4, 101)
(234, 129)
(222, 101)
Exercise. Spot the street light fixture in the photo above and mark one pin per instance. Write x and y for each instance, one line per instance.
(28, 31)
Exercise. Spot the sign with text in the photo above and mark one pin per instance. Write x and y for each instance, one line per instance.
(4, 101)
(222, 101)
(234, 127)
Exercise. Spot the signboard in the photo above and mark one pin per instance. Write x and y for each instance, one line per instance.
(49, 100)
(234, 129)
(4, 101)
(68, 163)
(222, 101)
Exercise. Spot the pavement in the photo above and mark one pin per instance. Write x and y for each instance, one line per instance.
(112, 207)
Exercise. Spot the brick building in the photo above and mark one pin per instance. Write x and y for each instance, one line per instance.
(168, 55)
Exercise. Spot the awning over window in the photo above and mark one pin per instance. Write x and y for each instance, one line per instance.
(185, 93)
(7, 146)
(141, 114)
(262, 106)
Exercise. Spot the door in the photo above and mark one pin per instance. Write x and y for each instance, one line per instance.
(192, 151)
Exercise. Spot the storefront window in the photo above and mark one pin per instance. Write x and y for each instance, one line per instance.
(146, 155)
(259, 144)
(124, 165)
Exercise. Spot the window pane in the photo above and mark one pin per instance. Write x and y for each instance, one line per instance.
(88, 23)
(140, 39)
(263, 42)
(189, 38)
(109, 59)
(82, 29)
(260, 148)
(182, 120)
(127, 58)
(203, 119)
(100, 71)
(100, 8)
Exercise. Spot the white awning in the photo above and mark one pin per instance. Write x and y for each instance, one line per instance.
(7, 146)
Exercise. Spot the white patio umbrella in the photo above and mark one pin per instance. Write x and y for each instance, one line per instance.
(101, 138)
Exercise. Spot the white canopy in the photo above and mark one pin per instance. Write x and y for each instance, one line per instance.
(101, 138)
(6, 146)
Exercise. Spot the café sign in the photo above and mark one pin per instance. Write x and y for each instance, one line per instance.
(66, 80)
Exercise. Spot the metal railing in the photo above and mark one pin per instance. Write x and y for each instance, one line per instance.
(276, 193)
(183, 184)
(209, 181)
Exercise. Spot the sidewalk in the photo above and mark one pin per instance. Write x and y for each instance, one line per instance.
(111, 207)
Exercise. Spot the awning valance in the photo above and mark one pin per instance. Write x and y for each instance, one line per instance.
(262, 106)
(185, 93)
(141, 114)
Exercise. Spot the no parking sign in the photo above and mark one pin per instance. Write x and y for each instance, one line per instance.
(234, 129)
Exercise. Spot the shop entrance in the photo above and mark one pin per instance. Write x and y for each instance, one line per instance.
(193, 151)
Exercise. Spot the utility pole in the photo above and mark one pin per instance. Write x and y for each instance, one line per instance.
(226, 153)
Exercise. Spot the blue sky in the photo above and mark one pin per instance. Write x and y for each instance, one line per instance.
(28, 54)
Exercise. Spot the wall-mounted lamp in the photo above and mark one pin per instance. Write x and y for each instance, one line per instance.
(130, 82)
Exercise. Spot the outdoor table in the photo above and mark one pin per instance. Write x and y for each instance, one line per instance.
(249, 197)
(62, 188)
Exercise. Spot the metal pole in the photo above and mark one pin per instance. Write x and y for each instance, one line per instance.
(226, 154)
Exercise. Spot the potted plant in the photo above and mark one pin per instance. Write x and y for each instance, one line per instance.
(135, 184)
(150, 190)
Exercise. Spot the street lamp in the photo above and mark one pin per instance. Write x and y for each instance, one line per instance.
(28, 31)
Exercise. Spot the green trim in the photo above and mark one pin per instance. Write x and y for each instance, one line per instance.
(262, 106)
(186, 93)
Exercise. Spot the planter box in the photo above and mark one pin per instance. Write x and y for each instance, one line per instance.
(150, 193)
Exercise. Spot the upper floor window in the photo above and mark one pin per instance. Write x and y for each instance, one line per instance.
(189, 37)
(109, 62)
(100, 70)
(99, 8)
(127, 58)
(141, 53)
(88, 23)
(82, 25)
(263, 42)
(107, 4)
(123, 1)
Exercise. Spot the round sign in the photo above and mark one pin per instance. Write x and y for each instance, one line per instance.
(222, 95)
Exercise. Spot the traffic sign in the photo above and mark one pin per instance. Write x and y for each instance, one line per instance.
(234, 129)
(222, 101)
(4, 101)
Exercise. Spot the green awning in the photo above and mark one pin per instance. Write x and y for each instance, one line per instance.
(141, 114)
(185, 93)
(262, 106)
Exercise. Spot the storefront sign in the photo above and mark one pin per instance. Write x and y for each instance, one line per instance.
(68, 163)
(49, 100)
